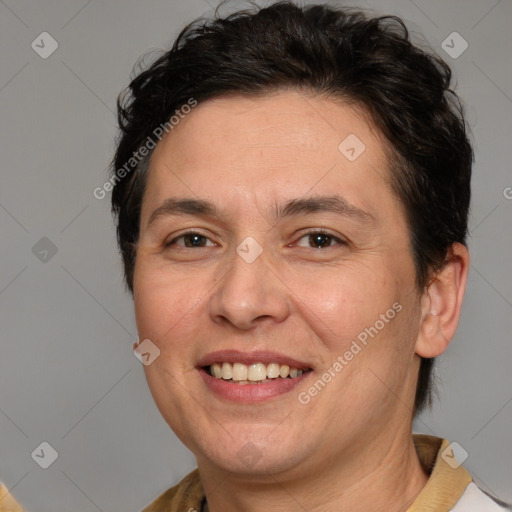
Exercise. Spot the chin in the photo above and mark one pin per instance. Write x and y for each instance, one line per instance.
(250, 461)
(252, 452)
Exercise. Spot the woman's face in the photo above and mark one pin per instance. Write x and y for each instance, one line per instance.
(277, 242)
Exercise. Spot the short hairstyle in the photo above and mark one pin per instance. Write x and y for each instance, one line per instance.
(336, 53)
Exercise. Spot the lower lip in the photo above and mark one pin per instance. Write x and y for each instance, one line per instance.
(250, 393)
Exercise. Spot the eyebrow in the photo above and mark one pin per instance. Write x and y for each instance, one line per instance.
(186, 206)
(333, 204)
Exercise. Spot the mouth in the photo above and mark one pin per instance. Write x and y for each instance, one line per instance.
(251, 377)
(256, 373)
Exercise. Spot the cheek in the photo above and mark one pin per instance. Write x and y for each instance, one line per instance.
(342, 305)
(164, 305)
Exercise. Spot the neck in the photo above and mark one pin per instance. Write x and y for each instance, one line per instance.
(387, 476)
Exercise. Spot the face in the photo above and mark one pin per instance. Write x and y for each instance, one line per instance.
(269, 244)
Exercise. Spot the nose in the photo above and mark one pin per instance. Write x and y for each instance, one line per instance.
(249, 295)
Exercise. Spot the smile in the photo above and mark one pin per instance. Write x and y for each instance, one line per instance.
(256, 373)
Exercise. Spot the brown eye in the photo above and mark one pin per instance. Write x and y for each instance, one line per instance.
(194, 240)
(319, 240)
(191, 240)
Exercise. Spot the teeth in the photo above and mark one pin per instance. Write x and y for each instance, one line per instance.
(227, 371)
(272, 371)
(217, 371)
(239, 371)
(257, 372)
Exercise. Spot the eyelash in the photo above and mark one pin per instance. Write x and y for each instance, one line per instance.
(307, 234)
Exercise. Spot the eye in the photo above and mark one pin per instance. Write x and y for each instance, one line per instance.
(319, 240)
(191, 239)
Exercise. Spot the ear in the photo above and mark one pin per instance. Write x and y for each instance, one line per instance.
(441, 303)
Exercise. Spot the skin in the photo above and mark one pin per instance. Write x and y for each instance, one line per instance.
(350, 447)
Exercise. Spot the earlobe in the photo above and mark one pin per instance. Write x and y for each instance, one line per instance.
(441, 304)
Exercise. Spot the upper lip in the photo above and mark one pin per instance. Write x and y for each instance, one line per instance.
(260, 356)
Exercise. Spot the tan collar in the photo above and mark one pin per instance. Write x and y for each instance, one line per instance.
(443, 489)
(447, 481)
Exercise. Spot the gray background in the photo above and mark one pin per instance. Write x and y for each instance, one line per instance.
(68, 375)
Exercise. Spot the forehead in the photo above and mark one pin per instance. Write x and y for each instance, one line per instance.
(275, 146)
